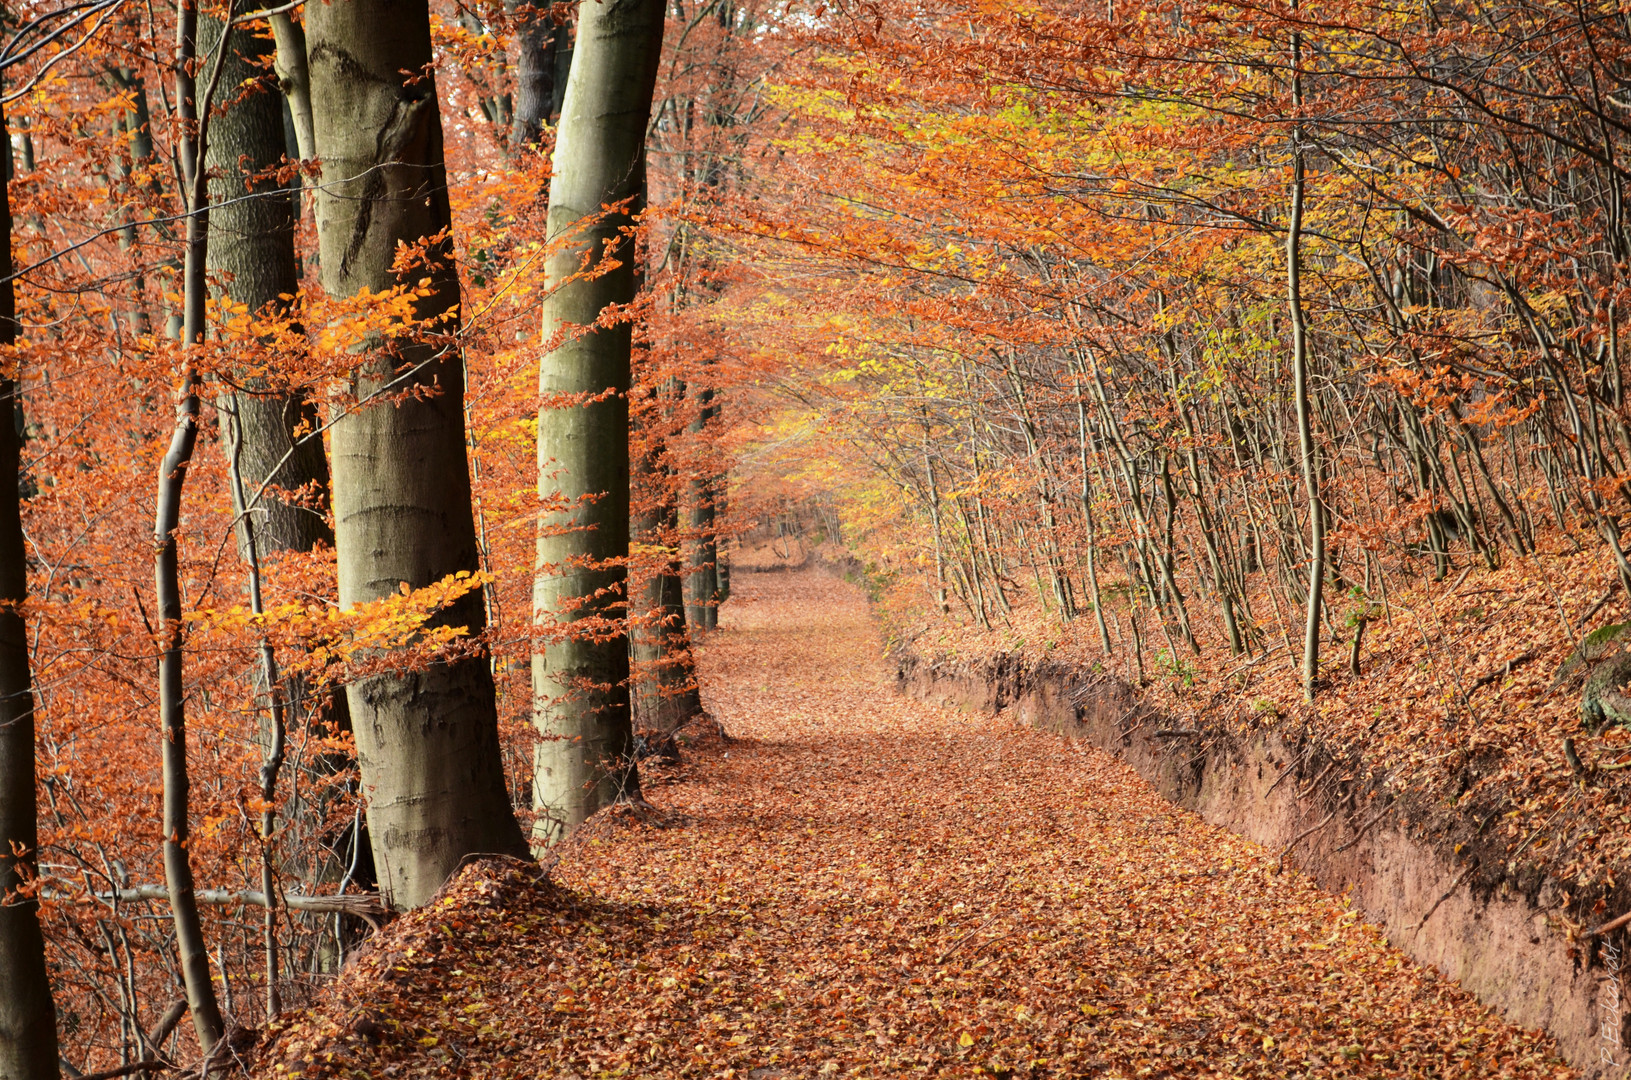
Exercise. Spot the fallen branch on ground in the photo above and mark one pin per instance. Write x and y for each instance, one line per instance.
(363, 905)
(1505, 669)
(128, 1070)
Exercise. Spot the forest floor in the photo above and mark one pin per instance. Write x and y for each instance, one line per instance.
(861, 885)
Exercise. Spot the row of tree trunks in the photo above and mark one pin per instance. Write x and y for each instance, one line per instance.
(427, 737)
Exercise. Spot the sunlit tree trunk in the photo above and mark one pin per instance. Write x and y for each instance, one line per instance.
(192, 108)
(427, 740)
(1299, 361)
(28, 1018)
(580, 683)
(294, 79)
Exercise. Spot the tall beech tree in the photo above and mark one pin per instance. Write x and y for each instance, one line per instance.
(580, 679)
(664, 695)
(540, 44)
(427, 740)
(28, 1017)
(1307, 448)
(252, 251)
(193, 99)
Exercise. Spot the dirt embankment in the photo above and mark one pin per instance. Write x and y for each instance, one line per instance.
(1445, 892)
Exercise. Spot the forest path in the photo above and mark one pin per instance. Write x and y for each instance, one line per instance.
(862, 885)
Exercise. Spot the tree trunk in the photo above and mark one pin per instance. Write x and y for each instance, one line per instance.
(427, 740)
(28, 1018)
(539, 87)
(193, 114)
(664, 695)
(294, 79)
(702, 583)
(1299, 363)
(270, 432)
(253, 247)
(581, 683)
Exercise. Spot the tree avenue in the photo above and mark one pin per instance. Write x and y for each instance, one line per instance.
(1266, 359)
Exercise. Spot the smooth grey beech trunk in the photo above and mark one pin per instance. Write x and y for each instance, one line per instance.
(28, 1018)
(580, 684)
(665, 696)
(702, 582)
(268, 430)
(1308, 448)
(427, 740)
(193, 112)
(294, 79)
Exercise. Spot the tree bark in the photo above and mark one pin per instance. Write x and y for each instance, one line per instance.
(28, 1017)
(539, 89)
(294, 79)
(702, 582)
(427, 740)
(1299, 362)
(269, 431)
(664, 695)
(193, 115)
(253, 247)
(580, 684)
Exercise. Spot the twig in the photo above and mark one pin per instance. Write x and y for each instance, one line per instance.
(1459, 878)
(1316, 781)
(1299, 838)
(128, 1070)
(1454, 885)
(963, 940)
(1124, 717)
(1359, 832)
(1284, 773)
(1254, 661)
(1612, 925)
(1505, 669)
(1531, 837)
(1598, 606)
(363, 905)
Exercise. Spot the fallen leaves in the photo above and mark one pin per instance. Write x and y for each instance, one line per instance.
(867, 886)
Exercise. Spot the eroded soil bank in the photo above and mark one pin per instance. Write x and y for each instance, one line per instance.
(1443, 893)
(865, 885)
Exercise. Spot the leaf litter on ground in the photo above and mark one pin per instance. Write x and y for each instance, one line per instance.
(862, 885)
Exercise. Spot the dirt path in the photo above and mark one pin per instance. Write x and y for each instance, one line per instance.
(866, 886)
